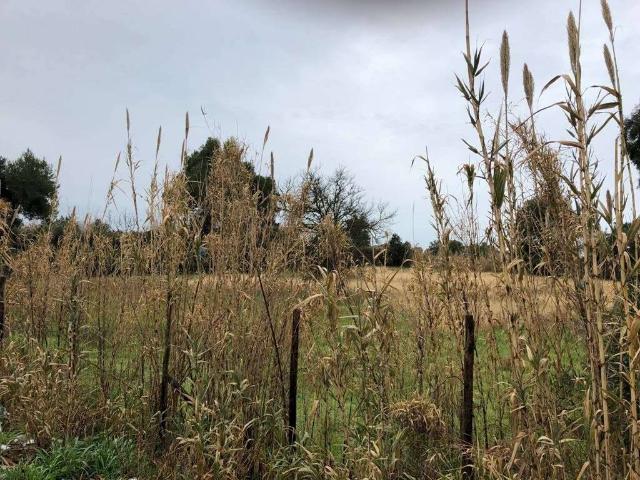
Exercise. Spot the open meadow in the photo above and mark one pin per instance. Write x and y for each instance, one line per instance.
(378, 377)
(233, 327)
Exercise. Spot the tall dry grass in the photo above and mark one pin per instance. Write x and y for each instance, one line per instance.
(180, 341)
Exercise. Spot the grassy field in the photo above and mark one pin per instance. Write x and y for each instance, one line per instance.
(363, 363)
(223, 335)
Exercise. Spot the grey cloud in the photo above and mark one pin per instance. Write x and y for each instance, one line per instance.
(366, 84)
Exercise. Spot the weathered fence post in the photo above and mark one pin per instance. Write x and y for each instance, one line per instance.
(163, 401)
(466, 421)
(293, 376)
(3, 283)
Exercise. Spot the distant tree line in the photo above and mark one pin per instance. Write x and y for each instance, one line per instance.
(341, 224)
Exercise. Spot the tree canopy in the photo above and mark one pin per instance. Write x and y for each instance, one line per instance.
(28, 184)
(632, 132)
(456, 247)
(542, 229)
(200, 166)
(397, 251)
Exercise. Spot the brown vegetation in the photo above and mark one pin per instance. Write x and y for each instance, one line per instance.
(437, 371)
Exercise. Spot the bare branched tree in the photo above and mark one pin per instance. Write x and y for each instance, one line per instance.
(341, 200)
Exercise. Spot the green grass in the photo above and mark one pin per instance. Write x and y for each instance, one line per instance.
(7, 437)
(100, 457)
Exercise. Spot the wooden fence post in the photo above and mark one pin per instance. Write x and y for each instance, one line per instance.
(3, 283)
(163, 401)
(466, 421)
(293, 376)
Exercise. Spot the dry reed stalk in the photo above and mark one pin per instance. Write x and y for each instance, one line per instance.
(621, 159)
(593, 288)
(499, 176)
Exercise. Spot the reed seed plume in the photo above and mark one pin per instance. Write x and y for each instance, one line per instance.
(573, 38)
(528, 85)
(505, 62)
(272, 168)
(606, 16)
(310, 160)
(608, 61)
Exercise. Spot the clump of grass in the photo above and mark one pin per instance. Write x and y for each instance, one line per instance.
(100, 457)
(419, 415)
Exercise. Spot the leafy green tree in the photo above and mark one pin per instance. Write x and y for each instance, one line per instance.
(397, 251)
(359, 231)
(263, 186)
(456, 247)
(200, 164)
(632, 132)
(542, 230)
(28, 185)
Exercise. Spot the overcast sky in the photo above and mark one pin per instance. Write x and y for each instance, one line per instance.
(367, 84)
